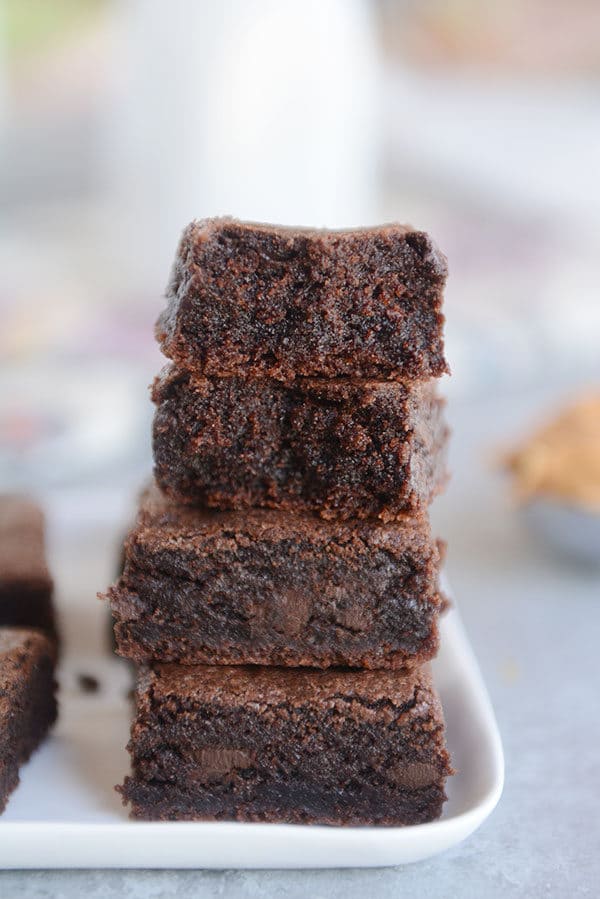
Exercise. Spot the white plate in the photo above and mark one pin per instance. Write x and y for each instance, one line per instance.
(65, 813)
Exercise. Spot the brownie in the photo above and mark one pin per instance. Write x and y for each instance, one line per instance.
(252, 299)
(27, 700)
(340, 448)
(287, 745)
(25, 584)
(265, 587)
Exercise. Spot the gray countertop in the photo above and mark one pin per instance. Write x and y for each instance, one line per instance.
(534, 621)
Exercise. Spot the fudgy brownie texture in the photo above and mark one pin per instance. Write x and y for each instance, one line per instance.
(337, 448)
(25, 584)
(271, 588)
(27, 700)
(250, 299)
(287, 745)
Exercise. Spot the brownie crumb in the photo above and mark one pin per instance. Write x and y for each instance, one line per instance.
(88, 683)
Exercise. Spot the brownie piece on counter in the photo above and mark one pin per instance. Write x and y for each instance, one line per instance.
(252, 299)
(265, 587)
(287, 745)
(342, 449)
(27, 699)
(25, 584)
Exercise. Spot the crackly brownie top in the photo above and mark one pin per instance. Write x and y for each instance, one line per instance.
(21, 540)
(162, 521)
(324, 243)
(265, 687)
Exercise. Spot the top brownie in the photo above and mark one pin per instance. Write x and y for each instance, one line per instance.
(278, 302)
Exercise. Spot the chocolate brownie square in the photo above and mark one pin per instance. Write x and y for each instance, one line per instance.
(251, 299)
(25, 584)
(270, 588)
(341, 449)
(287, 745)
(27, 700)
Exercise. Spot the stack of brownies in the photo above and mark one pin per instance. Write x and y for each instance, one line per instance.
(280, 590)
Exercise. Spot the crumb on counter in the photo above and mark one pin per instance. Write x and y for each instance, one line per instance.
(87, 683)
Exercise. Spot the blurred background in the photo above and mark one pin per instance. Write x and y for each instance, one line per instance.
(121, 120)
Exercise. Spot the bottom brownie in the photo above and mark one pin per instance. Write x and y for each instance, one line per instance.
(287, 745)
(27, 701)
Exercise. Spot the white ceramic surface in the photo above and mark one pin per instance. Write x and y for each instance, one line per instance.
(65, 813)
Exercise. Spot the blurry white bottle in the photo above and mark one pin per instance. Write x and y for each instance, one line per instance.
(262, 109)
